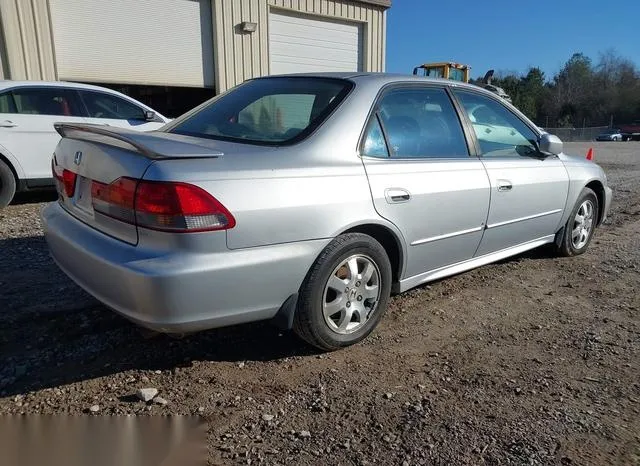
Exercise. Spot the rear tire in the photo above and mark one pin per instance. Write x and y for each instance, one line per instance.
(7, 185)
(581, 225)
(345, 294)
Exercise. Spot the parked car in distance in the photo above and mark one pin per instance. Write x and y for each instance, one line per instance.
(28, 110)
(631, 132)
(610, 135)
(308, 199)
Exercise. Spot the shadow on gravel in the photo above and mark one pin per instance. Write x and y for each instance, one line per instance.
(52, 333)
(34, 197)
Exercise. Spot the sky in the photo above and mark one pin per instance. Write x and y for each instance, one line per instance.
(509, 35)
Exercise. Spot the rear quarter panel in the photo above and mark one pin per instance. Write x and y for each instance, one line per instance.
(314, 189)
(13, 161)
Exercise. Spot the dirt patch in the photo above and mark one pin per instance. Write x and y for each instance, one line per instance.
(533, 360)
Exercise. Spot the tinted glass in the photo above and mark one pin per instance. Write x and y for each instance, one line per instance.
(266, 111)
(278, 114)
(456, 74)
(49, 101)
(374, 145)
(6, 103)
(500, 133)
(422, 123)
(101, 105)
(437, 72)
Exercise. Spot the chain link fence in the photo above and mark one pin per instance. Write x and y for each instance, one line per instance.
(577, 134)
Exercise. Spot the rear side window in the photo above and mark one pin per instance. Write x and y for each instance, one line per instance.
(421, 123)
(101, 105)
(6, 103)
(49, 101)
(374, 144)
(267, 111)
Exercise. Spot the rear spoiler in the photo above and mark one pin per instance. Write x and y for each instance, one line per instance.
(151, 145)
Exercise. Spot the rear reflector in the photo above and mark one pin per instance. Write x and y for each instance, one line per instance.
(65, 178)
(165, 206)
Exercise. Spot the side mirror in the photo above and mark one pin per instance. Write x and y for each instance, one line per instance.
(149, 115)
(550, 144)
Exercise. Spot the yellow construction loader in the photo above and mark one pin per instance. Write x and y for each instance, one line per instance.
(458, 72)
(445, 70)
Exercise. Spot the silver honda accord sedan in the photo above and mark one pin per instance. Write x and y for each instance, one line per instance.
(308, 199)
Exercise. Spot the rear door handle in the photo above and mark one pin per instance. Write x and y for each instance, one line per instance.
(7, 124)
(396, 195)
(504, 185)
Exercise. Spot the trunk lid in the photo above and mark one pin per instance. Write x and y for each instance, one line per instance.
(96, 154)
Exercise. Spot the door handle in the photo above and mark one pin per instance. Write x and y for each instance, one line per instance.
(7, 124)
(396, 195)
(504, 185)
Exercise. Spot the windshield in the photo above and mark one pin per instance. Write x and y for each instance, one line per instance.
(269, 111)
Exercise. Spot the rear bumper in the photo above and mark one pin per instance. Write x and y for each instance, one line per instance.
(177, 292)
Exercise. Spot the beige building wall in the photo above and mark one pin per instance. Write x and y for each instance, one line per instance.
(27, 51)
(241, 56)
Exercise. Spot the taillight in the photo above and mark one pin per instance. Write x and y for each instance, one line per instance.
(115, 199)
(65, 177)
(165, 206)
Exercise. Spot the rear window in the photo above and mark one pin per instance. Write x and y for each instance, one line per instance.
(270, 111)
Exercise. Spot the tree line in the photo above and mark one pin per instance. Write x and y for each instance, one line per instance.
(581, 94)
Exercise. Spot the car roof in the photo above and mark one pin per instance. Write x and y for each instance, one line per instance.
(381, 79)
(8, 84)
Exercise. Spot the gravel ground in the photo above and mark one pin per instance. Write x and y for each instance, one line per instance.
(533, 360)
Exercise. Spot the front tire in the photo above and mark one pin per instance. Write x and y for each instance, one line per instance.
(581, 225)
(7, 185)
(345, 294)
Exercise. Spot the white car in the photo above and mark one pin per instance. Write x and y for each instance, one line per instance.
(28, 110)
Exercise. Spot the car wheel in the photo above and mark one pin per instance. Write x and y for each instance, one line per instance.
(581, 225)
(345, 293)
(7, 185)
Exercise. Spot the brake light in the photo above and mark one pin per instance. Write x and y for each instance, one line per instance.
(115, 199)
(65, 177)
(165, 206)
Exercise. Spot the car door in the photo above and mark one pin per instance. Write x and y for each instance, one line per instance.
(26, 125)
(422, 177)
(108, 109)
(528, 190)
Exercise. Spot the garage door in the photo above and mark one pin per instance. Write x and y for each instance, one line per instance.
(155, 42)
(300, 44)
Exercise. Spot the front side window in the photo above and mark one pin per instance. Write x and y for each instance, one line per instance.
(499, 132)
(421, 122)
(102, 105)
(266, 111)
(45, 101)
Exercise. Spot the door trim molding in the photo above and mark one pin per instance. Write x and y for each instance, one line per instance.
(522, 219)
(473, 263)
(447, 235)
